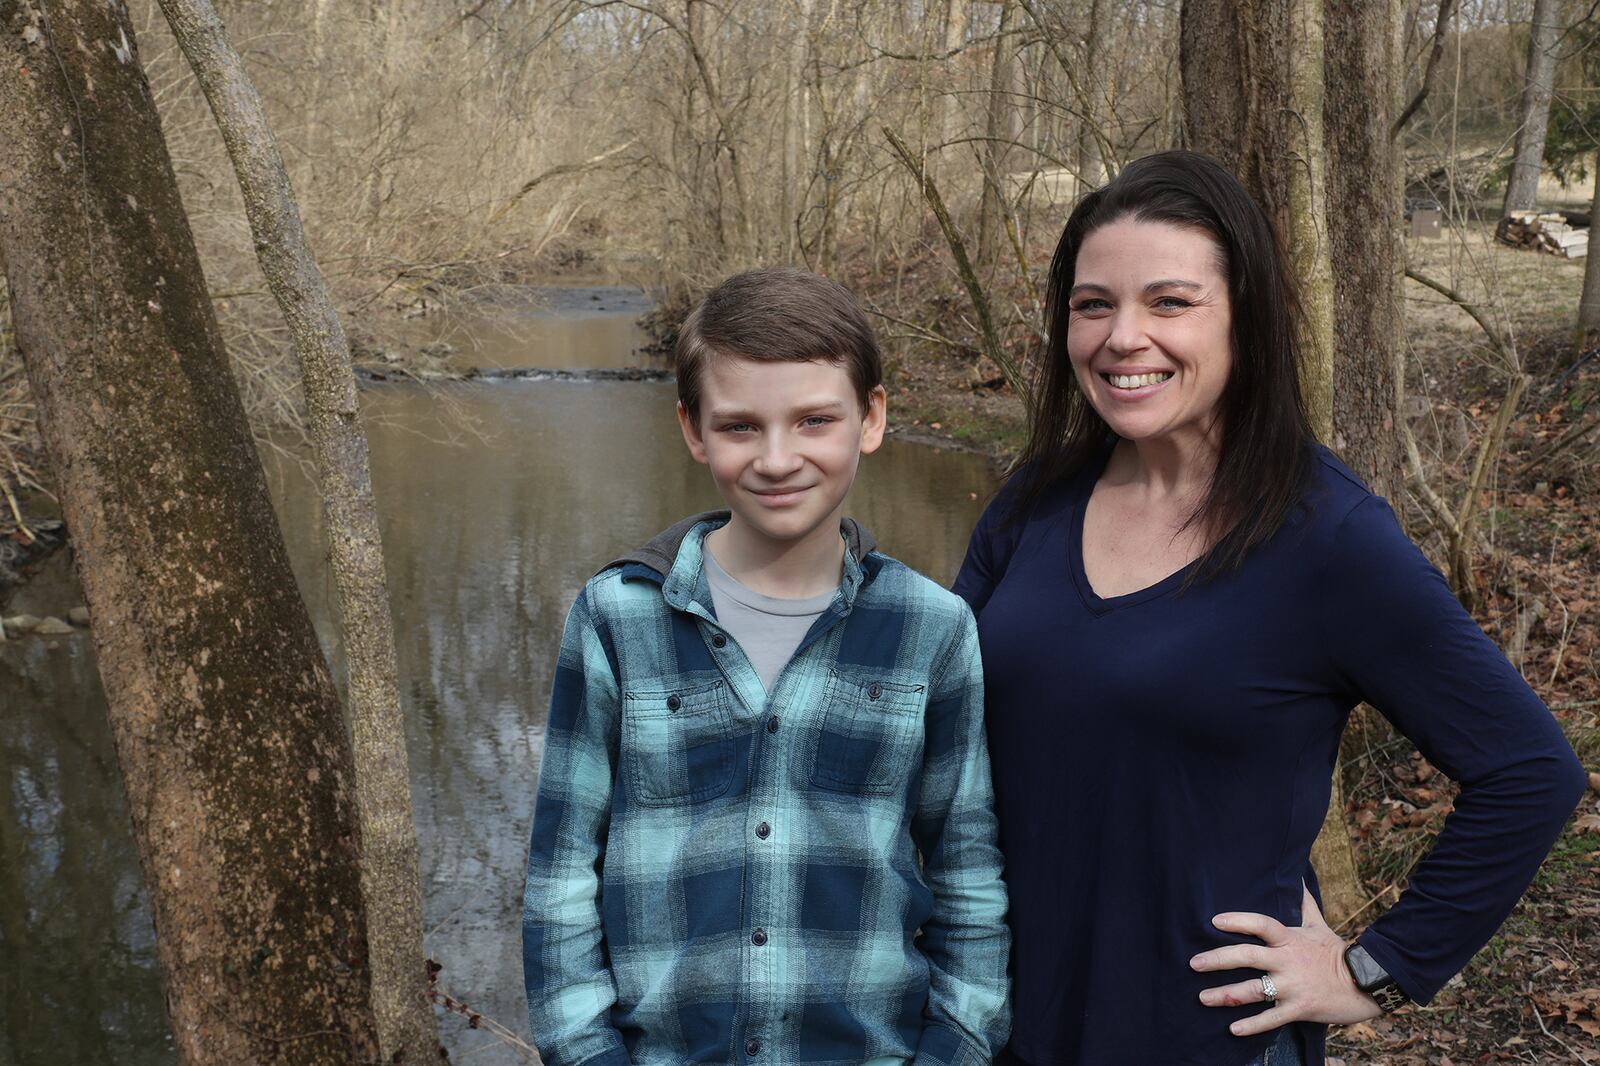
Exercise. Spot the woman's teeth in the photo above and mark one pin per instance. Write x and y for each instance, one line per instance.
(1136, 381)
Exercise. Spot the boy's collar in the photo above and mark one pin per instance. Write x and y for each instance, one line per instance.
(672, 557)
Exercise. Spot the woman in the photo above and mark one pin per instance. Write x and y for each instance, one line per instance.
(1180, 598)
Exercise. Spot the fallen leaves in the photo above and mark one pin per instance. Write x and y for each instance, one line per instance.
(1580, 1009)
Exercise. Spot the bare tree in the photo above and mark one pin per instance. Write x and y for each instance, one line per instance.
(390, 881)
(229, 734)
(1589, 302)
(1534, 114)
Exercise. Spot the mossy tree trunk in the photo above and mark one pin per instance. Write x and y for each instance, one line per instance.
(390, 882)
(229, 733)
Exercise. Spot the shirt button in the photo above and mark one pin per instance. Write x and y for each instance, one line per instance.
(759, 937)
(752, 1047)
(719, 641)
(763, 830)
(874, 690)
(772, 724)
(673, 703)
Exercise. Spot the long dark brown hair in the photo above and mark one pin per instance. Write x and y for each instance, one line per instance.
(1266, 438)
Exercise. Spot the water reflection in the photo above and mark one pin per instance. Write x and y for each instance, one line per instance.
(487, 543)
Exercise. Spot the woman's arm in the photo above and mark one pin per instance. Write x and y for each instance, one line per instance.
(1397, 638)
(1404, 644)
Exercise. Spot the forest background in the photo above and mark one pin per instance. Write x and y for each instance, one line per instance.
(926, 154)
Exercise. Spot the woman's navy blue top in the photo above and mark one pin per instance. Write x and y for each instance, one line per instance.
(1164, 756)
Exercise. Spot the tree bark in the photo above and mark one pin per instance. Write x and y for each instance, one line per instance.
(389, 877)
(1589, 302)
(1522, 189)
(996, 149)
(955, 36)
(1363, 214)
(1236, 69)
(1097, 60)
(229, 734)
(1308, 213)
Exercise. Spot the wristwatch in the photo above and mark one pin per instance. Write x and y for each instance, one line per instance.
(1374, 980)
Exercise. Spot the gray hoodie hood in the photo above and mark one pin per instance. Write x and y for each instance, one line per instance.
(662, 549)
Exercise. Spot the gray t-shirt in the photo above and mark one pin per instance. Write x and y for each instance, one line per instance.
(768, 628)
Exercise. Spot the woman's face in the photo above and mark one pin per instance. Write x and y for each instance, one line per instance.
(1149, 330)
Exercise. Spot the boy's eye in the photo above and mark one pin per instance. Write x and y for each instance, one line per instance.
(737, 427)
(816, 420)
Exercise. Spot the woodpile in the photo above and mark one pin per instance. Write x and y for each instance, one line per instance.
(1560, 234)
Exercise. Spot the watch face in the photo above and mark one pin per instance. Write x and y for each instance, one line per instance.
(1364, 969)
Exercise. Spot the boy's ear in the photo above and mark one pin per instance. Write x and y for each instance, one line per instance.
(691, 433)
(873, 422)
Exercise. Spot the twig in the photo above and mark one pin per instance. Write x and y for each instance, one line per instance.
(1439, 30)
(1501, 347)
(1567, 626)
(444, 1001)
(16, 512)
(922, 331)
(1559, 445)
(1540, 1019)
(969, 276)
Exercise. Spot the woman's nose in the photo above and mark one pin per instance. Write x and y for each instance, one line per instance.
(1127, 332)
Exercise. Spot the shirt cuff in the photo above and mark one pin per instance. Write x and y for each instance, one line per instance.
(943, 1045)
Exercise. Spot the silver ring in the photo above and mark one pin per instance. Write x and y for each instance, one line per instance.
(1269, 991)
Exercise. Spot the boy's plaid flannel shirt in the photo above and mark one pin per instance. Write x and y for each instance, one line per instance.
(719, 876)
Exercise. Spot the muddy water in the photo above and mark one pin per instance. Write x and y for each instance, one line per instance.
(498, 499)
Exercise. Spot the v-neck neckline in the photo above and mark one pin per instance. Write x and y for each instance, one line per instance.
(1080, 575)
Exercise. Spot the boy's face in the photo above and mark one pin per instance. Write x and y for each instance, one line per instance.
(782, 440)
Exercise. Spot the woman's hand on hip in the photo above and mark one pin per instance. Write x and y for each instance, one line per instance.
(1305, 964)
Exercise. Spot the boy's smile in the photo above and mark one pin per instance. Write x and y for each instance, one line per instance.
(782, 440)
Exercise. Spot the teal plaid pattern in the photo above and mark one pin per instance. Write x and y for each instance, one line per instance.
(717, 876)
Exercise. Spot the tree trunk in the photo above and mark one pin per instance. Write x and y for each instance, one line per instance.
(955, 36)
(1522, 189)
(1235, 71)
(1589, 302)
(1091, 160)
(228, 729)
(1363, 214)
(996, 149)
(1308, 214)
(390, 881)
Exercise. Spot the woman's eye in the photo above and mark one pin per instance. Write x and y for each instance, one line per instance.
(1090, 306)
(1172, 303)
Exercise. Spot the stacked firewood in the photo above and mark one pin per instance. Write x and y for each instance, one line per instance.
(1554, 232)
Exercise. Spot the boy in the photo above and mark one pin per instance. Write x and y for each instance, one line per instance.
(764, 831)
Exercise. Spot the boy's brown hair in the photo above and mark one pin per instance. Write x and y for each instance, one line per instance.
(781, 314)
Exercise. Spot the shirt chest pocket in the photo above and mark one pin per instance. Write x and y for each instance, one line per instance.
(679, 744)
(871, 736)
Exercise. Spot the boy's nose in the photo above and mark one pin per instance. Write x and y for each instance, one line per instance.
(777, 459)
